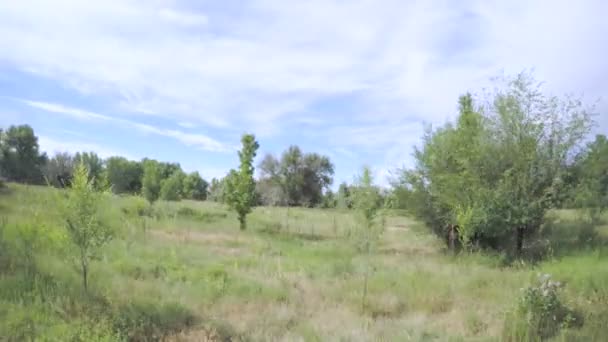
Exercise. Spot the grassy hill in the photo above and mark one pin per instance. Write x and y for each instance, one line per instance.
(186, 273)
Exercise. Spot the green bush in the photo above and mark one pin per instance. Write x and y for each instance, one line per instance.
(147, 321)
(540, 313)
(187, 212)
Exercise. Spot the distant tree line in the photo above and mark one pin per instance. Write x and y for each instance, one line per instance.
(21, 161)
(294, 179)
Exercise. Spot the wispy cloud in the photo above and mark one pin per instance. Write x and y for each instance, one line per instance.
(52, 146)
(266, 64)
(196, 140)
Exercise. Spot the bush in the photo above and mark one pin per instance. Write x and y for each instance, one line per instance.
(137, 207)
(540, 314)
(146, 321)
(171, 188)
(194, 214)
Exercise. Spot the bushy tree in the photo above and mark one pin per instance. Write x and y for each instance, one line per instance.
(21, 159)
(59, 169)
(151, 181)
(240, 185)
(86, 229)
(591, 188)
(329, 199)
(344, 200)
(195, 187)
(217, 190)
(296, 179)
(94, 164)
(124, 175)
(498, 169)
(171, 188)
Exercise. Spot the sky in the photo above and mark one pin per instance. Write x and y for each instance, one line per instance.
(355, 80)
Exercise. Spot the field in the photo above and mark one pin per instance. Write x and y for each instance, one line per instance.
(189, 274)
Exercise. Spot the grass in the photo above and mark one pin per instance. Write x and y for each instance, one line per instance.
(293, 275)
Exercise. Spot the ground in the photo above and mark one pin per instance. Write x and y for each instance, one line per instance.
(294, 275)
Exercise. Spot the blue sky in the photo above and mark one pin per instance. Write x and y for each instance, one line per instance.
(355, 80)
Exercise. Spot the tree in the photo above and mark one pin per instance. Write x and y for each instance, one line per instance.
(498, 169)
(94, 164)
(217, 190)
(366, 201)
(171, 188)
(240, 185)
(329, 200)
(85, 228)
(21, 159)
(59, 169)
(591, 190)
(297, 179)
(195, 187)
(124, 175)
(344, 200)
(151, 181)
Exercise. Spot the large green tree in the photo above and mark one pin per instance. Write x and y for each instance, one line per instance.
(21, 159)
(195, 187)
(499, 168)
(296, 179)
(240, 185)
(124, 175)
(171, 188)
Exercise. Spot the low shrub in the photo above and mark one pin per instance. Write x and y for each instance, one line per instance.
(147, 321)
(540, 313)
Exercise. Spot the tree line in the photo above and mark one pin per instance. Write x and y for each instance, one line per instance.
(21, 161)
(296, 179)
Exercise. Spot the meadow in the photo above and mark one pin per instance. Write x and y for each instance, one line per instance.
(183, 271)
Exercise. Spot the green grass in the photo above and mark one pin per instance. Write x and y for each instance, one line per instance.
(293, 275)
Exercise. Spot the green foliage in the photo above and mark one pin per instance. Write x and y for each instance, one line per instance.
(591, 192)
(498, 169)
(124, 175)
(148, 321)
(540, 313)
(20, 159)
(151, 181)
(297, 179)
(195, 187)
(366, 201)
(58, 170)
(85, 228)
(217, 190)
(240, 185)
(171, 188)
(344, 200)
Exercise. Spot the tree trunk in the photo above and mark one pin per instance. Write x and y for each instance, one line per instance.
(85, 277)
(242, 222)
(84, 266)
(520, 239)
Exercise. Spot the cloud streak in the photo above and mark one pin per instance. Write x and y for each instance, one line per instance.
(199, 141)
(386, 66)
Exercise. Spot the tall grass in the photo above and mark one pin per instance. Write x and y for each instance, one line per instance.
(193, 275)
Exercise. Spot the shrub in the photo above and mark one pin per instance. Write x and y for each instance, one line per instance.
(540, 313)
(146, 321)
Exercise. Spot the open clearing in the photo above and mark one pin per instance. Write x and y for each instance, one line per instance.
(296, 275)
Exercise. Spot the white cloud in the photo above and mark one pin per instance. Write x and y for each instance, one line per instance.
(267, 62)
(200, 141)
(52, 146)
